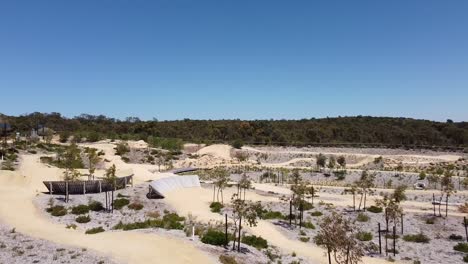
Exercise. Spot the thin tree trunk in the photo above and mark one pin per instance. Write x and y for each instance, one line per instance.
(239, 236)
(365, 198)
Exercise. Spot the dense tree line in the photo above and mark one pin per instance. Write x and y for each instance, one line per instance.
(341, 130)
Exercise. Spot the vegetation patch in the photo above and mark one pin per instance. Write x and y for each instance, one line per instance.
(375, 209)
(120, 203)
(83, 219)
(255, 241)
(169, 221)
(462, 247)
(57, 210)
(304, 239)
(308, 225)
(216, 207)
(455, 237)
(94, 230)
(214, 237)
(95, 206)
(364, 236)
(417, 238)
(316, 213)
(80, 209)
(273, 215)
(362, 217)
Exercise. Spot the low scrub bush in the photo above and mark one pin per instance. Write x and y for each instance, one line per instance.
(169, 221)
(95, 206)
(374, 209)
(255, 241)
(417, 238)
(214, 237)
(455, 237)
(216, 207)
(308, 225)
(462, 247)
(362, 217)
(304, 239)
(273, 215)
(57, 210)
(82, 219)
(120, 203)
(225, 259)
(94, 230)
(430, 221)
(465, 258)
(135, 206)
(364, 236)
(80, 209)
(316, 213)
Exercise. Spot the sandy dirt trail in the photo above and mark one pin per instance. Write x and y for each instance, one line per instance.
(17, 191)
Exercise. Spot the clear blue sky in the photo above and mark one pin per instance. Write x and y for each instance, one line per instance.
(235, 59)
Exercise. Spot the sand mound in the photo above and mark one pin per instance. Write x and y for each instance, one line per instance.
(218, 150)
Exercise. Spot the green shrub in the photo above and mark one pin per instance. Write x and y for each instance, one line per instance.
(82, 219)
(94, 230)
(237, 144)
(225, 259)
(135, 206)
(316, 213)
(430, 221)
(255, 241)
(214, 237)
(273, 215)
(57, 210)
(95, 206)
(119, 195)
(455, 237)
(308, 225)
(120, 203)
(364, 236)
(304, 239)
(465, 258)
(362, 217)
(375, 209)
(417, 238)
(307, 206)
(462, 247)
(216, 207)
(169, 221)
(80, 209)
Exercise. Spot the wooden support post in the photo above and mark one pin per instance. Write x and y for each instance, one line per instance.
(290, 213)
(239, 236)
(84, 187)
(466, 228)
(380, 240)
(100, 187)
(50, 188)
(226, 229)
(394, 241)
(433, 203)
(402, 224)
(386, 242)
(66, 192)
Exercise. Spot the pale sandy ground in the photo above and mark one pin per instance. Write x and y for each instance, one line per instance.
(17, 191)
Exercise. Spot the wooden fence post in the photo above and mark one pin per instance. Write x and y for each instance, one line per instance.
(433, 203)
(394, 241)
(380, 240)
(226, 229)
(466, 228)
